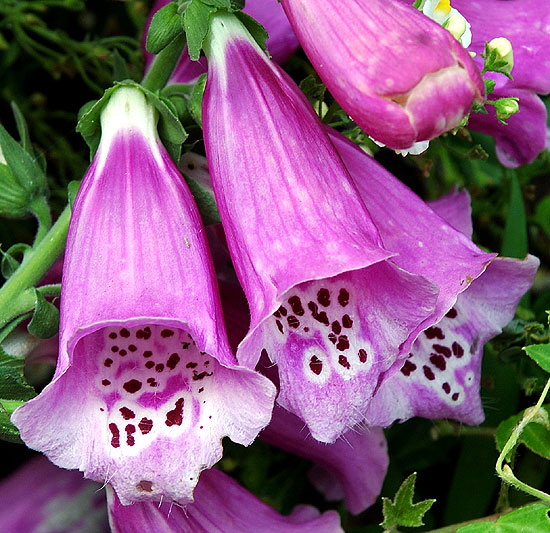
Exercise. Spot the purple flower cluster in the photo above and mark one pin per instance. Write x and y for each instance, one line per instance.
(367, 305)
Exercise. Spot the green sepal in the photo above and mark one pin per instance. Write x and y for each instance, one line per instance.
(196, 21)
(72, 191)
(170, 129)
(45, 320)
(228, 5)
(9, 263)
(195, 102)
(255, 29)
(120, 67)
(165, 26)
(205, 202)
(179, 95)
(489, 85)
(533, 518)
(14, 199)
(402, 511)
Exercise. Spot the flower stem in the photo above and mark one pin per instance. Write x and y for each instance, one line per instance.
(14, 297)
(164, 65)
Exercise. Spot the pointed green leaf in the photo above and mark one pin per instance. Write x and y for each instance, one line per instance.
(402, 511)
(540, 353)
(45, 321)
(196, 22)
(166, 25)
(514, 243)
(531, 519)
(195, 102)
(13, 385)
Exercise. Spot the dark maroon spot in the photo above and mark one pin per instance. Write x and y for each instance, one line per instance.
(343, 297)
(191, 365)
(343, 343)
(206, 363)
(347, 322)
(408, 368)
(175, 417)
(201, 427)
(153, 383)
(277, 314)
(202, 375)
(323, 297)
(113, 335)
(124, 333)
(147, 353)
(127, 413)
(442, 350)
(319, 316)
(139, 334)
(115, 440)
(146, 332)
(145, 425)
(343, 360)
(105, 382)
(122, 353)
(306, 329)
(332, 337)
(428, 372)
(264, 353)
(132, 386)
(446, 388)
(159, 367)
(173, 360)
(282, 311)
(438, 361)
(185, 345)
(108, 362)
(145, 486)
(101, 409)
(149, 364)
(130, 430)
(150, 380)
(457, 349)
(434, 333)
(279, 325)
(455, 396)
(315, 365)
(362, 355)
(201, 389)
(452, 313)
(336, 327)
(296, 305)
(114, 349)
(293, 322)
(165, 333)
(132, 348)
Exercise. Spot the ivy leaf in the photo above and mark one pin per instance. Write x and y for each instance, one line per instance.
(533, 518)
(402, 511)
(540, 353)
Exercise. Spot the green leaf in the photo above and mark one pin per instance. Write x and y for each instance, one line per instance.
(229, 5)
(72, 191)
(205, 202)
(9, 263)
(196, 22)
(514, 243)
(535, 435)
(21, 127)
(45, 320)
(402, 511)
(540, 353)
(532, 519)
(542, 214)
(195, 102)
(165, 27)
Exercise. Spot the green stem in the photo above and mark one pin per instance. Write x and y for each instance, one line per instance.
(164, 65)
(13, 294)
(41, 210)
(504, 471)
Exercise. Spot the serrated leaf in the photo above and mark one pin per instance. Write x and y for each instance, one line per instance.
(540, 353)
(45, 320)
(402, 511)
(532, 519)
(196, 22)
(535, 435)
(195, 102)
(165, 26)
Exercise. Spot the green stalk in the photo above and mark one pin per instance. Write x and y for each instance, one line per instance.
(164, 65)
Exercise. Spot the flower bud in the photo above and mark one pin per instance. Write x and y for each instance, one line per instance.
(506, 107)
(499, 56)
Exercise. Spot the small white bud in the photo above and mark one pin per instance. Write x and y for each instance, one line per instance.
(500, 50)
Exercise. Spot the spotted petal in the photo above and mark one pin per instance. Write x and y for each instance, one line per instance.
(146, 385)
(326, 303)
(221, 506)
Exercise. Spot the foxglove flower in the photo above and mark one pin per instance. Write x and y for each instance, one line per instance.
(526, 24)
(351, 469)
(39, 497)
(327, 302)
(221, 506)
(146, 384)
(399, 75)
(281, 42)
(441, 376)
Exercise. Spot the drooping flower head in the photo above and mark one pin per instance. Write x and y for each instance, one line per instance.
(145, 385)
(327, 302)
(399, 75)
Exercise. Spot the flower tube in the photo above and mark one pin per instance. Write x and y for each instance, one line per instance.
(399, 75)
(146, 384)
(327, 303)
(221, 506)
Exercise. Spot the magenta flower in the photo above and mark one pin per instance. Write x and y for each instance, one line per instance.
(441, 376)
(328, 304)
(146, 384)
(351, 469)
(399, 75)
(526, 23)
(281, 43)
(221, 506)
